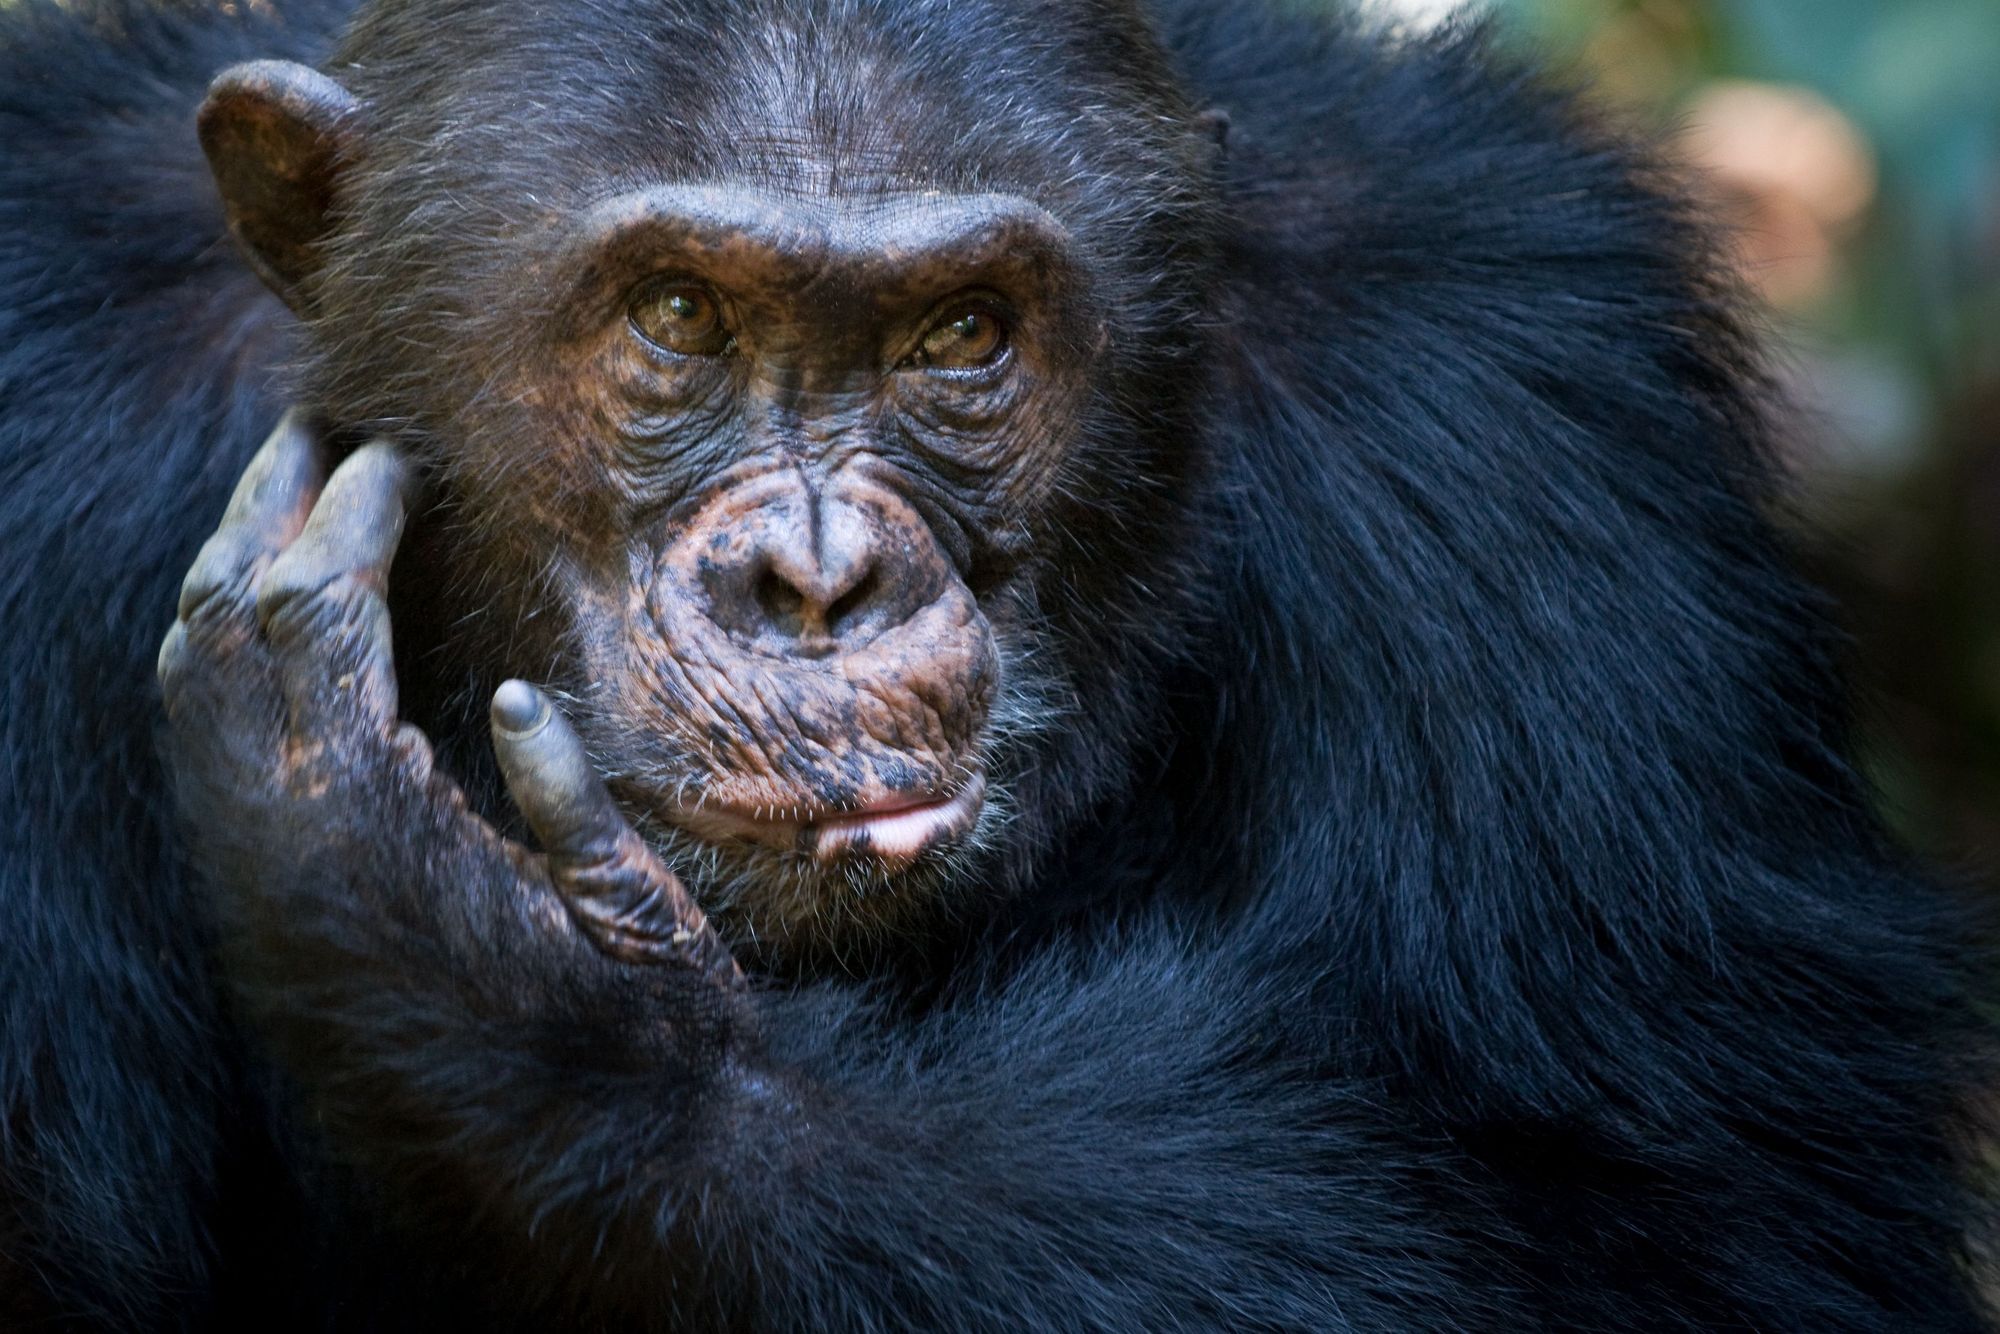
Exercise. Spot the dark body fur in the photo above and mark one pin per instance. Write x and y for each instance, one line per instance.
(1488, 932)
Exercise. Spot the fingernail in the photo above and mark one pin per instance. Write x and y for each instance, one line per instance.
(519, 709)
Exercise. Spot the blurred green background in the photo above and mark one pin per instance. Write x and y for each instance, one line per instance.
(1855, 146)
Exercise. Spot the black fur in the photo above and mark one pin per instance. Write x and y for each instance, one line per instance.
(1478, 927)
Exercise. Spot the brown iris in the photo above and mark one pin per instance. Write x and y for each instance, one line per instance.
(969, 338)
(682, 318)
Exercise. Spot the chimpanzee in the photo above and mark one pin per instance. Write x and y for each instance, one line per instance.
(1058, 664)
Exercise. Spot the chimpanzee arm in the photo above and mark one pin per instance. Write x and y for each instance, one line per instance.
(552, 1056)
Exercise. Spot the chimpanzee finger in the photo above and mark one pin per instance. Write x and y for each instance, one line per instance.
(616, 889)
(266, 511)
(321, 603)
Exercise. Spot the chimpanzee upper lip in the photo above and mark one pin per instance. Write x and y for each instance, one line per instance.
(896, 828)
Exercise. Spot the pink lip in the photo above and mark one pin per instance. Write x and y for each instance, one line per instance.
(896, 830)
(901, 833)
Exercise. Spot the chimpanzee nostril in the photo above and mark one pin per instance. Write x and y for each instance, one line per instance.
(783, 606)
(776, 579)
(852, 609)
(798, 606)
(812, 604)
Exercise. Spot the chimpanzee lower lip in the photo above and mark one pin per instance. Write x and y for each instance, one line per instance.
(896, 830)
(898, 834)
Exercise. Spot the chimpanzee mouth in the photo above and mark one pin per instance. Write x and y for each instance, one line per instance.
(893, 832)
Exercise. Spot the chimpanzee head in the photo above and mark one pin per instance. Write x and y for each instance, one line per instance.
(808, 390)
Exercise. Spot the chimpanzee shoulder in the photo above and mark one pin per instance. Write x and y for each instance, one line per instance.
(1500, 488)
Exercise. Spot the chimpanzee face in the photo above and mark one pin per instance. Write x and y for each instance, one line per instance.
(784, 453)
(763, 451)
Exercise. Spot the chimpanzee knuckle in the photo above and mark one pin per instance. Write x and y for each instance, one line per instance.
(412, 753)
(220, 582)
(601, 851)
(336, 672)
(302, 604)
(361, 684)
(173, 666)
(172, 647)
(190, 669)
(637, 912)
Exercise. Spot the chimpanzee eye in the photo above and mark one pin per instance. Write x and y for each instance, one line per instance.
(681, 317)
(973, 336)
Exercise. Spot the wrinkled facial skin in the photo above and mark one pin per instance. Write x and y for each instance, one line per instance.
(811, 402)
(775, 568)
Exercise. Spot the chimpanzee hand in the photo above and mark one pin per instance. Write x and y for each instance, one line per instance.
(549, 1071)
(307, 801)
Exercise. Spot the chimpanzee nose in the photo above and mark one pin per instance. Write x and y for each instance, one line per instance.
(806, 595)
(813, 576)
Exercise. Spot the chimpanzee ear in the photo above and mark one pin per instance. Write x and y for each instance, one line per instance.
(277, 136)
